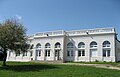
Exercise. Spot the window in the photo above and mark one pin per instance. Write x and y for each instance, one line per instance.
(38, 46)
(31, 53)
(18, 53)
(38, 52)
(93, 44)
(70, 45)
(81, 53)
(47, 45)
(57, 45)
(81, 45)
(47, 53)
(106, 44)
(56, 53)
(70, 53)
(106, 49)
(106, 53)
(24, 53)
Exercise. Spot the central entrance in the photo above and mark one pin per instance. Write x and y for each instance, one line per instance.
(57, 54)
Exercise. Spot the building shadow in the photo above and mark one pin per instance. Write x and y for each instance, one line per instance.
(28, 68)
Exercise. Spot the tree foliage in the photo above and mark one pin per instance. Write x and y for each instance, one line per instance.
(12, 37)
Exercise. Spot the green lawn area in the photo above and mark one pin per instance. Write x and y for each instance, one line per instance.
(31, 69)
(117, 64)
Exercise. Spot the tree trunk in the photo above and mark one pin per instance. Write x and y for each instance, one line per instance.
(4, 57)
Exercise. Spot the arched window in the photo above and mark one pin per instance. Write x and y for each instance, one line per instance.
(70, 45)
(47, 45)
(57, 45)
(70, 52)
(106, 44)
(93, 50)
(81, 52)
(38, 45)
(106, 49)
(81, 45)
(93, 44)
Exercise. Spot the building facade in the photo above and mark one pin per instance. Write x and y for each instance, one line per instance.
(78, 45)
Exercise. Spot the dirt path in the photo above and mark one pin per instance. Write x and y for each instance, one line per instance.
(107, 66)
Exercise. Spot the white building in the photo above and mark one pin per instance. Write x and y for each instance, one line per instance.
(78, 45)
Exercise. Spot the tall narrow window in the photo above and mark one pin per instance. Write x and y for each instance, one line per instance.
(81, 49)
(38, 49)
(38, 52)
(70, 48)
(47, 53)
(106, 49)
(93, 49)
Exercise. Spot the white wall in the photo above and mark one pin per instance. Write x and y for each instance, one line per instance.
(87, 39)
(117, 51)
(64, 40)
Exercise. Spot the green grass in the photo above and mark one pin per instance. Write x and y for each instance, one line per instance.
(30, 69)
(109, 63)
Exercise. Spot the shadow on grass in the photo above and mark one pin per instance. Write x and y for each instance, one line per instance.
(27, 68)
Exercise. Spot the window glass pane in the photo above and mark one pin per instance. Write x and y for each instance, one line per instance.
(104, 53)
(70, 45)
(56, 53)
(31, 53)
(45, 52)
(79, 53)
(47, 45)
(71, 52)
(108, 53)
(48, 52)
(68, 53)
(39, 53)
(106, 44)
(57, 45)
(81, 45)
(83, 52)
(93, 44)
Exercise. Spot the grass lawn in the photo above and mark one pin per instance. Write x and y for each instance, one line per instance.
(109, 63)
(30, 69)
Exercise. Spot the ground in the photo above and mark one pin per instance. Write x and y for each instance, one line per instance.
(33, 69)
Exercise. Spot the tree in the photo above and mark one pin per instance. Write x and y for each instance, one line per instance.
(12, 37)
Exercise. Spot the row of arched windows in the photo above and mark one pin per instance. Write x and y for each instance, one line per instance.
(47, 45)
(93, 44)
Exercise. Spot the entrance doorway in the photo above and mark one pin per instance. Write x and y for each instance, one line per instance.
(57, 54)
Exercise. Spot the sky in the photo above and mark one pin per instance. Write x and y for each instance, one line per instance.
(49, 15)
